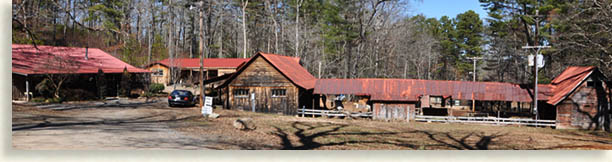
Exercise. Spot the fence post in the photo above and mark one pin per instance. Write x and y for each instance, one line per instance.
(313, 112)
(303, 111)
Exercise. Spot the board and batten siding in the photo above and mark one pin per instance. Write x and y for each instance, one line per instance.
(393, 111)
(260, 78)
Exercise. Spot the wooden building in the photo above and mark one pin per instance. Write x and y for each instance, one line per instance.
(582, 99)
(188, 69)
(577, 98)
(85, 72)
(269, 83)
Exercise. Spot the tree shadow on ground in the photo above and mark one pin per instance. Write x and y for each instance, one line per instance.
(309, 140)
(461, 143)
(98, 105)
(60, 121)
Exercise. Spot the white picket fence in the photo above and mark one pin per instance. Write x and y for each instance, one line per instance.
(330, 113)
(485, 120)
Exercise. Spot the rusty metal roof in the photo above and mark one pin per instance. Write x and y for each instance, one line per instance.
(567, 81)
(412, 89)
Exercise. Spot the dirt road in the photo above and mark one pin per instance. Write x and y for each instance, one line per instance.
(122, 125)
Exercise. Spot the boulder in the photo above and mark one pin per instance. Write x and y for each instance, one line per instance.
(244, 124)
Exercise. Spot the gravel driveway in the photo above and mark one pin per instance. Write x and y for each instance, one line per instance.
(114, 125)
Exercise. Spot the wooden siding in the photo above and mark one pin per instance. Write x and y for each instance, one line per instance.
(393, 111)
(159, 79)
(581, 108)
(260, 78)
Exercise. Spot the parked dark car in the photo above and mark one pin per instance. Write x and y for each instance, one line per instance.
(181, 97)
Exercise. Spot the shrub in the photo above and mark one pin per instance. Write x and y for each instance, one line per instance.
(156, 87)
(54, 100)
(38, 99)
(79, 95)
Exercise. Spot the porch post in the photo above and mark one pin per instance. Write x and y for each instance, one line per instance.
(27, 84)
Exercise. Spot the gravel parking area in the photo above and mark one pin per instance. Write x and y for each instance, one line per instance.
(134, 124)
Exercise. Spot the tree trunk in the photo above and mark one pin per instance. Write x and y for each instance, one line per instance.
(245, 3)
(297, 28)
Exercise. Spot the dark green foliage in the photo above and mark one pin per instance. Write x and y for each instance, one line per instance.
(156, 87)
(124, 89)
(101, 84)
(45, 88)
(79, 95)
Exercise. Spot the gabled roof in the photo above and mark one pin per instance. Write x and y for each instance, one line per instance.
(65, 60)
(412, 89)
(288, 66)
(568, 81)
(208, 63)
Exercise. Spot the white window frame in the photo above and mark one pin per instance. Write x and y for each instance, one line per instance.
(284, 91)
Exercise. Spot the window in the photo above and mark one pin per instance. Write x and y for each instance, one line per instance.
(157, 72)
(435, 100)
(457, 102)
(593, 83)
(241, 92)
(181, 93)
(212, 73)
(279, 92)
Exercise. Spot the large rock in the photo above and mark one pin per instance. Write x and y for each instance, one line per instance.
(244, 124)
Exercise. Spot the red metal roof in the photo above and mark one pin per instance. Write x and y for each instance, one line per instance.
(65, 60)
(291, 68)
(288, 66)
(411, 89)
(567, 81)
(208, 63)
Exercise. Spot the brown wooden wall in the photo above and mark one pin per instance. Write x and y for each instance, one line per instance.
(583, 108)
(260, 78)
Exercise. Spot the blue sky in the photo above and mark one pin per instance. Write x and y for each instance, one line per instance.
(450, 8)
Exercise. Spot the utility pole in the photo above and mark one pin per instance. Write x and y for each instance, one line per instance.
(202, 50)
(474, 80)
(535, 61)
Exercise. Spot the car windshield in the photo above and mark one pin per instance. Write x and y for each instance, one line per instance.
(181, 93)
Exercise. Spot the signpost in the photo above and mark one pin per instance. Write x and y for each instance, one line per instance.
(207, 108)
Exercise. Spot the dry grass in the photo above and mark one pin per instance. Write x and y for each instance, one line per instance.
(288, 132)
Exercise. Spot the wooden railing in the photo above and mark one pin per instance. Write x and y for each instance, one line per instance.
(485, 120)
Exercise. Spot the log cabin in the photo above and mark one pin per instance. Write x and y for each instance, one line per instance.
(269, 83)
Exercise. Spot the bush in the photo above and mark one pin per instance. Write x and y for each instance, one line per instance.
(38, 99)
(79, 95)
(156, 87)
(54, 100)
